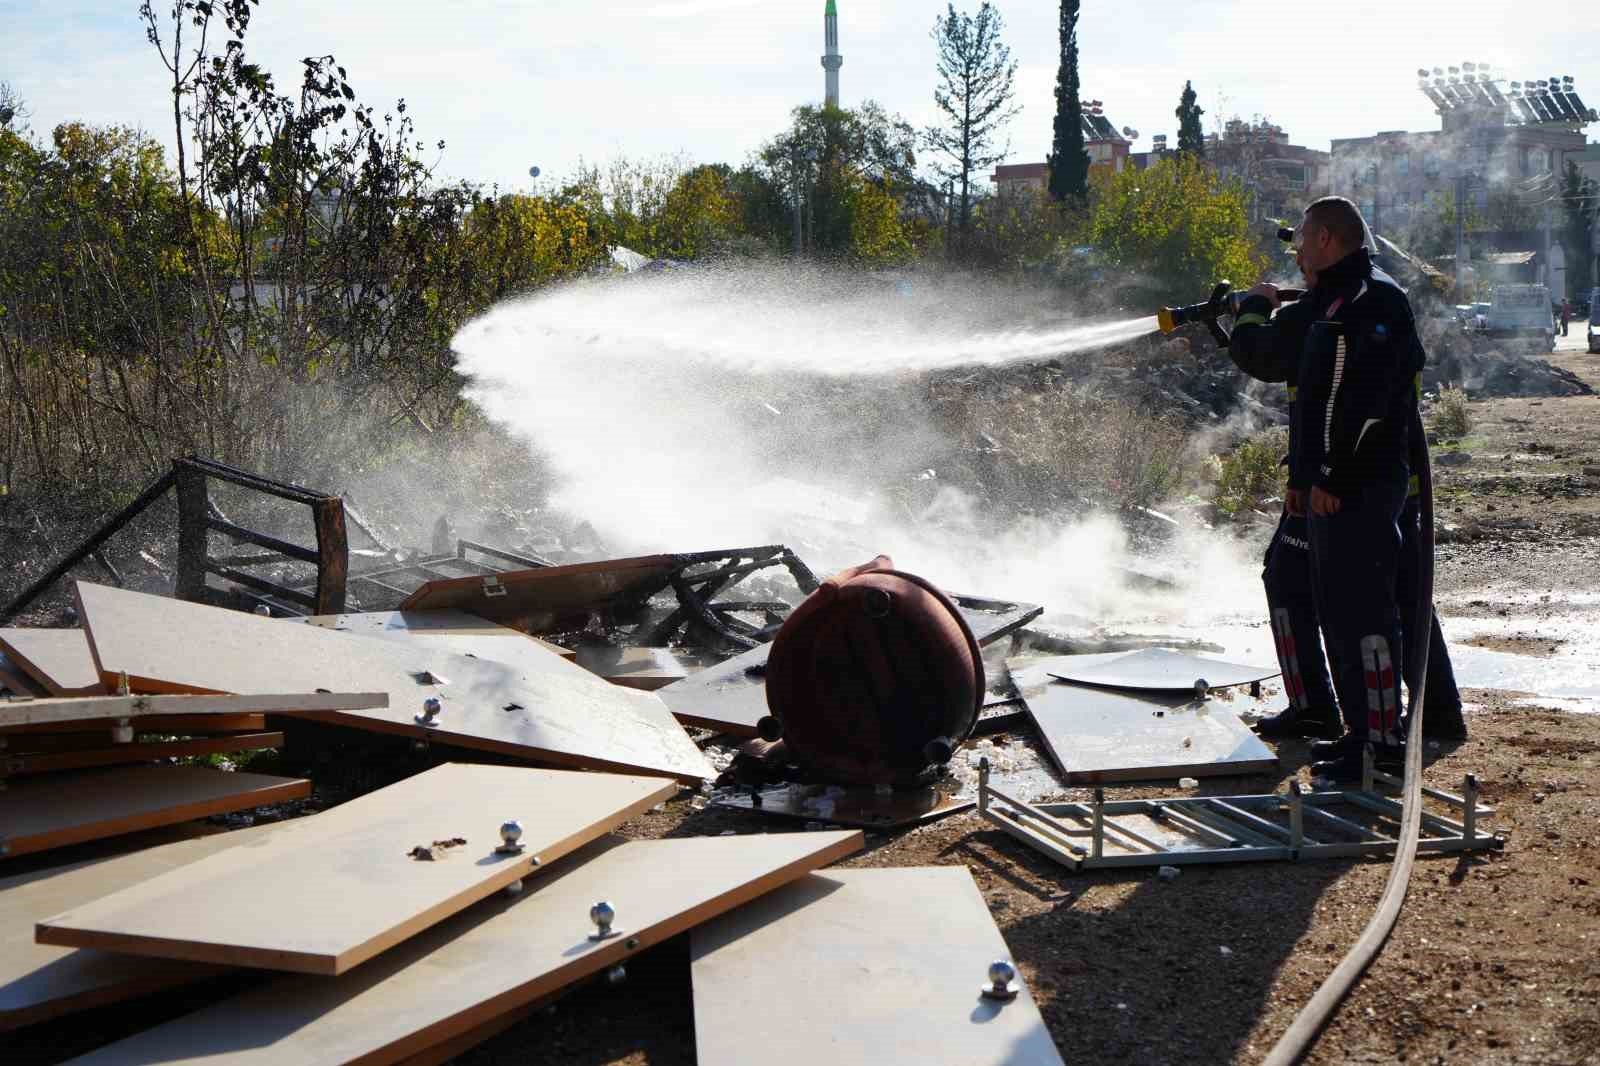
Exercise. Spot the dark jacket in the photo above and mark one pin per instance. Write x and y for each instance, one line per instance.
(1355, 374)
(1269, 349)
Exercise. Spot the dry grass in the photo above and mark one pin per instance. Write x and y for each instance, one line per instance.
(1451, 419)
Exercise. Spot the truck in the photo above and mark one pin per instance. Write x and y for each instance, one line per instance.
(1517, 315)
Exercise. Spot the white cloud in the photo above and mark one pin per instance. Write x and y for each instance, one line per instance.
(507, 84)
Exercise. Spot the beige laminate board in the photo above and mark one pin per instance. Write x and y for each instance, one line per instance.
(647, 669)
(489, 960)
(861, 968)
(53, 810)
(139, 711)
(42, 981)
(16, 679)
(172, 724)
(330, 892)
(58, 659)
(458, 632)
(730, 697)
(545, 709)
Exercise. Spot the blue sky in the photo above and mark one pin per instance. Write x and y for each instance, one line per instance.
(510, 83)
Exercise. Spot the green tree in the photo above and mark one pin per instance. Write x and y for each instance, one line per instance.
(1580, 207)
(974, 95)
(1173, 229)
(1069, 160)
(1191, 138)
(818, 159)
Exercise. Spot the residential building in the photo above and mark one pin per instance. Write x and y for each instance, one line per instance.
(1109, 153)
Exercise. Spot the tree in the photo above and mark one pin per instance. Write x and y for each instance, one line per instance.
(1173, 229)
(974, 95)
(1580, 203)
(1191, 139)
(1069, 161)
(818, 159)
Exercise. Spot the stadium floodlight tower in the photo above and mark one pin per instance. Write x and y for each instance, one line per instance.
(831, 59)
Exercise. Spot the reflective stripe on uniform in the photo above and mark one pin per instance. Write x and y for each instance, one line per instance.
(1294, 390)
(1252, 319)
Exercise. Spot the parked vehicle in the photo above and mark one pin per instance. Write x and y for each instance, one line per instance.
(1516, 313)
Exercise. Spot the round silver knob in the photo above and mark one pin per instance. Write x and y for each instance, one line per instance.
(430, 710)
(1002, 978)
(263, 610)
(602, 914)
(510, 837)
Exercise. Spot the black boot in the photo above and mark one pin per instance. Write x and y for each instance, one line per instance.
(1294, 722)
(1350, 766)
(1323, 750)
(1444, 723)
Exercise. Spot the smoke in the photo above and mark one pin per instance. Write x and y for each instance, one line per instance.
(744, 404)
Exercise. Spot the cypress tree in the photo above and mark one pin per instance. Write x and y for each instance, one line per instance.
(1069, 162)
(1191, 138)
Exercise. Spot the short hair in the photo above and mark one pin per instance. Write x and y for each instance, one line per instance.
(1341, 218)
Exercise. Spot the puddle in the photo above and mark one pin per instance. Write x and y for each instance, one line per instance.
(1568, 679)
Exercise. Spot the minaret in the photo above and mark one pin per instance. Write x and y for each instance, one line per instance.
(832, 61)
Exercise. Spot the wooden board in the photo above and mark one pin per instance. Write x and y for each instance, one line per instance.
(42, 981)
(548, 711)
(646, 669)
(1098, 735)
(103, 710)
(457, 632)
(172, 724)
(58, 659)
(15, 679)
(730, 697)
(37, 813)
(549, 598)
(488, 960)
(861, 968)
(333, 891)
(119, 754)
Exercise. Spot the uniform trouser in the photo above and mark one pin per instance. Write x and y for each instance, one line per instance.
(1292, 610)
(1442, 691)
(1355, 559)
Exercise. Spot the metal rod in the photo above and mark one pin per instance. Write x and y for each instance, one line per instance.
(1099, 823)
(531, 561)
(1469, 808)
(1356, 829)
(1297, 834)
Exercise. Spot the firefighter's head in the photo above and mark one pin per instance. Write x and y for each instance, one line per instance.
(1332, 229)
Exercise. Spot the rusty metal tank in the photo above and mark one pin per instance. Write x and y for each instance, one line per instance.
(874, 679)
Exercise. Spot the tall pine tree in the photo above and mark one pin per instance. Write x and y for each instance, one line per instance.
(1191, 138)
(1069, 162)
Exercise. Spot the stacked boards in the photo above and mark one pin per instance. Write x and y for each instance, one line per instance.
(468, 974)
(348, 884)
(542, 708)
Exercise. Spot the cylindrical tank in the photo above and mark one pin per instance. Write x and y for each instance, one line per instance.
(874, 679)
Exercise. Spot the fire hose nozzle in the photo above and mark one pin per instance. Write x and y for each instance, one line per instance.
(1223, 301)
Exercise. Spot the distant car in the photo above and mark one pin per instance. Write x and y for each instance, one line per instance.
(1594, 328)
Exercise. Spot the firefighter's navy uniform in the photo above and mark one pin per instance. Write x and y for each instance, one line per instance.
(1270, 352)
(1350, 352)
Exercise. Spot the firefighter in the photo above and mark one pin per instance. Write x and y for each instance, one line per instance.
(1270, 351)
(1351, 456)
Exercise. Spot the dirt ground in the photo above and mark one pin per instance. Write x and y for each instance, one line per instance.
(1496, 958)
